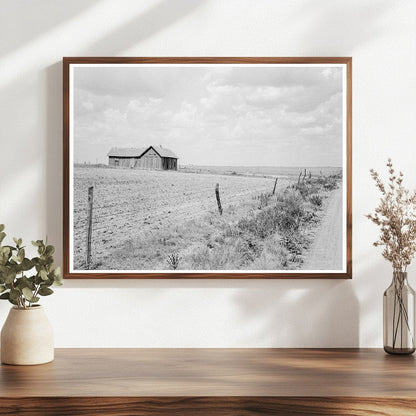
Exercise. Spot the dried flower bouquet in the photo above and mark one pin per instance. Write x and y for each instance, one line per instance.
(396, 217)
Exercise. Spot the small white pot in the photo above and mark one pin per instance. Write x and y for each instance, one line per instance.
(27, 337)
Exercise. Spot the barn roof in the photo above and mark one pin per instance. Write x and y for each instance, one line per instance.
(139, 151)
(163, 152)
(126, 151)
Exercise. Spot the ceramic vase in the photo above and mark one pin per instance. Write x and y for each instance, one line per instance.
(27, 337)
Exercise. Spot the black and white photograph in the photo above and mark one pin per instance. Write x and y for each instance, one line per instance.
(208, 168)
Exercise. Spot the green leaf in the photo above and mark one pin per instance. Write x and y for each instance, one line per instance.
(57, 273)
(37, 243)
(49, 250)
(13, 302)
(21, 255)
(38, 280)
(43, 274)
(25, 282)
(15, 293)
(58, 276)
(2, 227)
(27, 293)
(9, 277)
(17, 241)
(26, 264)
(48, 282)
(2, 236)
(7, 296)
(48, 260)
(2, 288)
(5, 250)
(45, 291)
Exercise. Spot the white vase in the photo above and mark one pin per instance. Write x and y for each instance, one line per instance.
(27, 337)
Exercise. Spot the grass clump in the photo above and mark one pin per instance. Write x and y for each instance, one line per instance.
(264, 199)
(316, 200)
(292, 211)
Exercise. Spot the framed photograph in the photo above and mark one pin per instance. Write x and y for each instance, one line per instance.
(207, 168)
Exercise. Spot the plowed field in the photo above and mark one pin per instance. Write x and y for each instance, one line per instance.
(130, 202)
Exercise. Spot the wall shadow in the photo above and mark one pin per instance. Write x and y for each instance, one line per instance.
(301, 313)
(336, 18)
(37, 18)
(155, 19)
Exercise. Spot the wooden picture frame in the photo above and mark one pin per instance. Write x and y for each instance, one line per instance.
(188, 112)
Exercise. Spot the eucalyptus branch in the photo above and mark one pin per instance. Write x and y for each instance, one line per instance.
(16, 284)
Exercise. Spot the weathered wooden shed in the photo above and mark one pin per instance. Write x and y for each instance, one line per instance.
(152, 157)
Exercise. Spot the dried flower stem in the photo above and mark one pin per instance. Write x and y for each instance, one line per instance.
(396, 217)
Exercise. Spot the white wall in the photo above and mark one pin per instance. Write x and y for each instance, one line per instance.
(380, 35)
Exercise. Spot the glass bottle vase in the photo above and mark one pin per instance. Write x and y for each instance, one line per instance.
(399, 316)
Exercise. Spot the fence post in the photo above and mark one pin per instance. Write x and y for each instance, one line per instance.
(89, 224)
(274, 187)
(300, 175)
(217, 195)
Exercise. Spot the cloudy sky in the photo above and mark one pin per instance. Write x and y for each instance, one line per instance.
(211, 115)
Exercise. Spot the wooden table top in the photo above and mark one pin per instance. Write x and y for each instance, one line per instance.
(214, 372)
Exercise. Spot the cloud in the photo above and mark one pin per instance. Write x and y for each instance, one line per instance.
(212, 115)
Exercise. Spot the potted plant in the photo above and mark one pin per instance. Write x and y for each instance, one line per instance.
(396, 217)
(27, 336)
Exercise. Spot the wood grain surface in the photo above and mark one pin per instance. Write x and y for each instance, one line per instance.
(212, 381)
(208, 406)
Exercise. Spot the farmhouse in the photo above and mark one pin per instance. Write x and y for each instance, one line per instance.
(152, 157)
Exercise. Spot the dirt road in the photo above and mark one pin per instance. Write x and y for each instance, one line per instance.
(326, 250)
